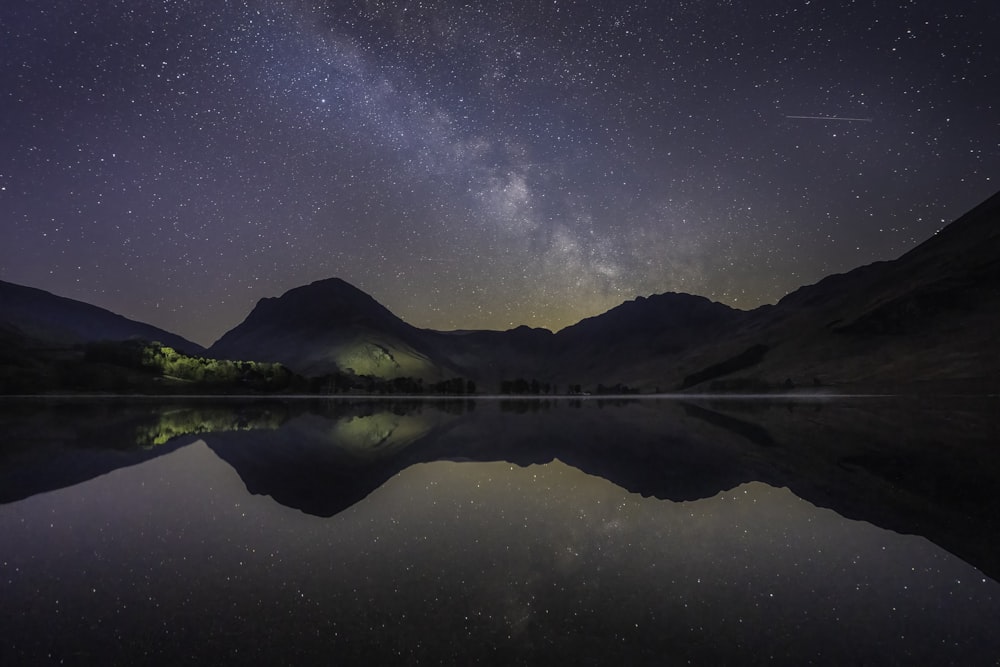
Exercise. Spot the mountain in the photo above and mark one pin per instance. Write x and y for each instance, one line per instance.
(47, 344)
(925, 321)
(330, 325)
(929, 318)
(592, 351)
(33, 317)
(493, 356)
(631, 336)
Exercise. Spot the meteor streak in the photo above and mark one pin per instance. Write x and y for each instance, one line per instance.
(856, 120)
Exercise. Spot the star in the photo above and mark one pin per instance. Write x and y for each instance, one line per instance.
(476, 166)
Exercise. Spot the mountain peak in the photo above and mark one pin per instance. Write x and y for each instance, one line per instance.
(325, 326)
(656, 314)
(320, 304)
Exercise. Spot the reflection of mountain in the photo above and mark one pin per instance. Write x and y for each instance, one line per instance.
(924, 467)
(367, 438)
(323, 464)
(307, 464)
(51, 444)
(198, 419)
(908, 466)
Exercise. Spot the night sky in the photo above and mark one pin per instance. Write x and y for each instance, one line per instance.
(481, 165)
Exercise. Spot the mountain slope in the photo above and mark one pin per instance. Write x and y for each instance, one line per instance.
(326, 326)
(330, 325)
(930, 317)
(927, 320)
(39, 318)
(493, 356)
(600, 349)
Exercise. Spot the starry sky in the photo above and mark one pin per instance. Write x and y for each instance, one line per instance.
(481, 165)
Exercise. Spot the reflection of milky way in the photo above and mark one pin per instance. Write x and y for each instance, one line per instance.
(480, 164)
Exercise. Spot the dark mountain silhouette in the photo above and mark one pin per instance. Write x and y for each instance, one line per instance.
(925, 321)
(632, 335)
(494, 355)
(594, 350)
(672, 319)
(33, 317)
(328, 326)
(929, 318)
(331, 325)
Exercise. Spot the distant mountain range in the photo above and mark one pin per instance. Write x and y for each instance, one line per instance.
(331, 325)
(929, 319)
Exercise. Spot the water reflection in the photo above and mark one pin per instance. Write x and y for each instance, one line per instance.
(461, 532)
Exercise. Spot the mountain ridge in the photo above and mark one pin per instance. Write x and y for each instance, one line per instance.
(928, 316)
(50, 319)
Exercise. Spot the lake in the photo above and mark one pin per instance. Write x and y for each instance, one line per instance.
(500, 531)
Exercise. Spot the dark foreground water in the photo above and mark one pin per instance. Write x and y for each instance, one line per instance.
(861, 531)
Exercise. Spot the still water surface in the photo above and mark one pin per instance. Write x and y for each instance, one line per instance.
(487, 532)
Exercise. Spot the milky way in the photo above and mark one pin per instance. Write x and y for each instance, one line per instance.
(481, 165)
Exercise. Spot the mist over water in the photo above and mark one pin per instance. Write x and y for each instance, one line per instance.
(520, 532)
